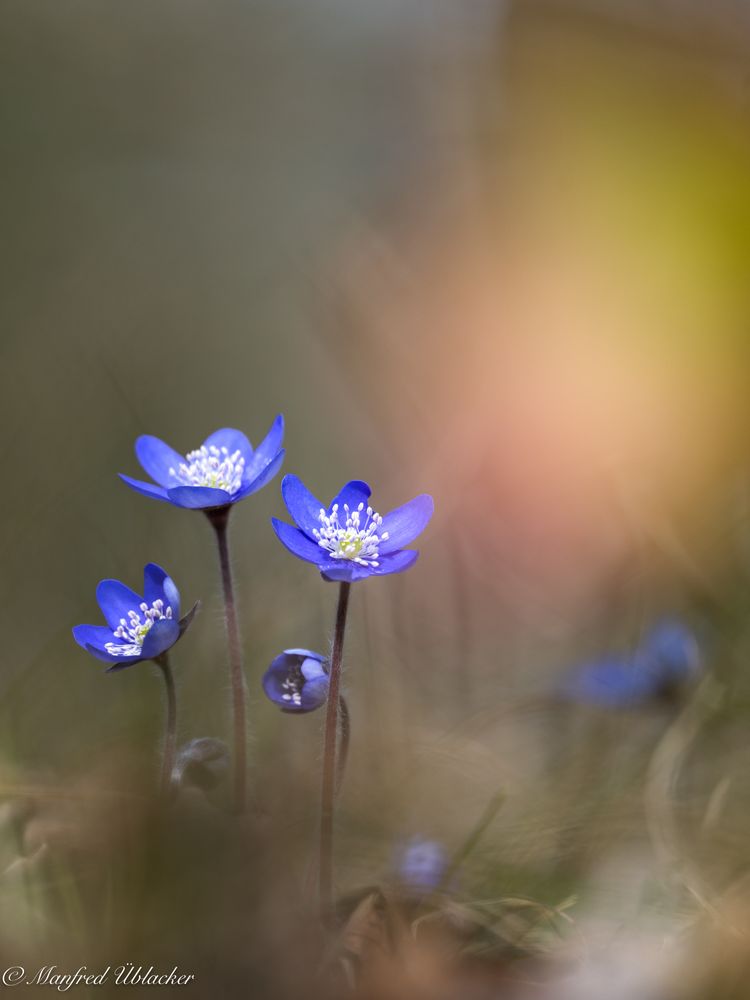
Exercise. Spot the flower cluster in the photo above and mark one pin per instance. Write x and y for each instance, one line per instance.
(347, 540)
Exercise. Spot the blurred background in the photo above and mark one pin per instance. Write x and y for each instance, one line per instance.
(497, 252)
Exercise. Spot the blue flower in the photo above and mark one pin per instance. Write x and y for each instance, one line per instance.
(348, 540)
(222, 471)
(297, 680)
(667, 657)
(673, 650)
(422, 864)
(612, 682)
(138, 628)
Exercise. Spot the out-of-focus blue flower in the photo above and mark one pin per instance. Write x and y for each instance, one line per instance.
(673, 650)
(297, 680)
(668, 656)
(138, 627)
(614, 682)
(222, 471)
(421, 864)
(348, 540)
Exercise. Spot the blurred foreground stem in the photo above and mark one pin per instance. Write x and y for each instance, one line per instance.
(475, 835)
(328, 789)
(219, 518)
(170, 723)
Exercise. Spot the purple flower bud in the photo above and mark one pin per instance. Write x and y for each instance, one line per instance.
(297, 680)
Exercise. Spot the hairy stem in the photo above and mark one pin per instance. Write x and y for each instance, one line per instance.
(345, 728)
(328, 788)
(219, 518)
(170, 724)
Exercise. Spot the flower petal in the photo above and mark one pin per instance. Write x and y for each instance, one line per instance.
(263, 477)
(157, 584)
(231, 439)
(312, 667)
(267, 450)
(118, 662)
(197, 497)
(340, 570)
(297, 542)
(675, 649)
(396, 562)
(617, 682)
(115, 600)
(277, 673)
(301, 504)
(93, 635)
(187, 620)
(354, 493)
(405, 523)
(96, 643)
(314, 694)
(147, 489)
(157, 458)
(310, 654)
(344, 571)
(160, 637)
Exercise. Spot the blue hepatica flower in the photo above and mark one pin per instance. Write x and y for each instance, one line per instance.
(297, 680)
(421, 864)
(668, 656)
(222, 471)
(138, 628)
(673, 650)
(348, 540)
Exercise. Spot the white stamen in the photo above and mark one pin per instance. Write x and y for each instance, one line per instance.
(134, 631)
(213, 467)
(292, 687)
(355, 539)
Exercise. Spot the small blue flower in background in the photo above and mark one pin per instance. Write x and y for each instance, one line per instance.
(348, 540)
(138, 627)
(421, 864)
(673, 649)
(297, 680)
(613, 682)
(222, 471)
(668, 656)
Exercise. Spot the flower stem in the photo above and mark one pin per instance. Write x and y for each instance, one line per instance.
(170, 724)
(328, 789)
(344, 738)
(219, 518)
